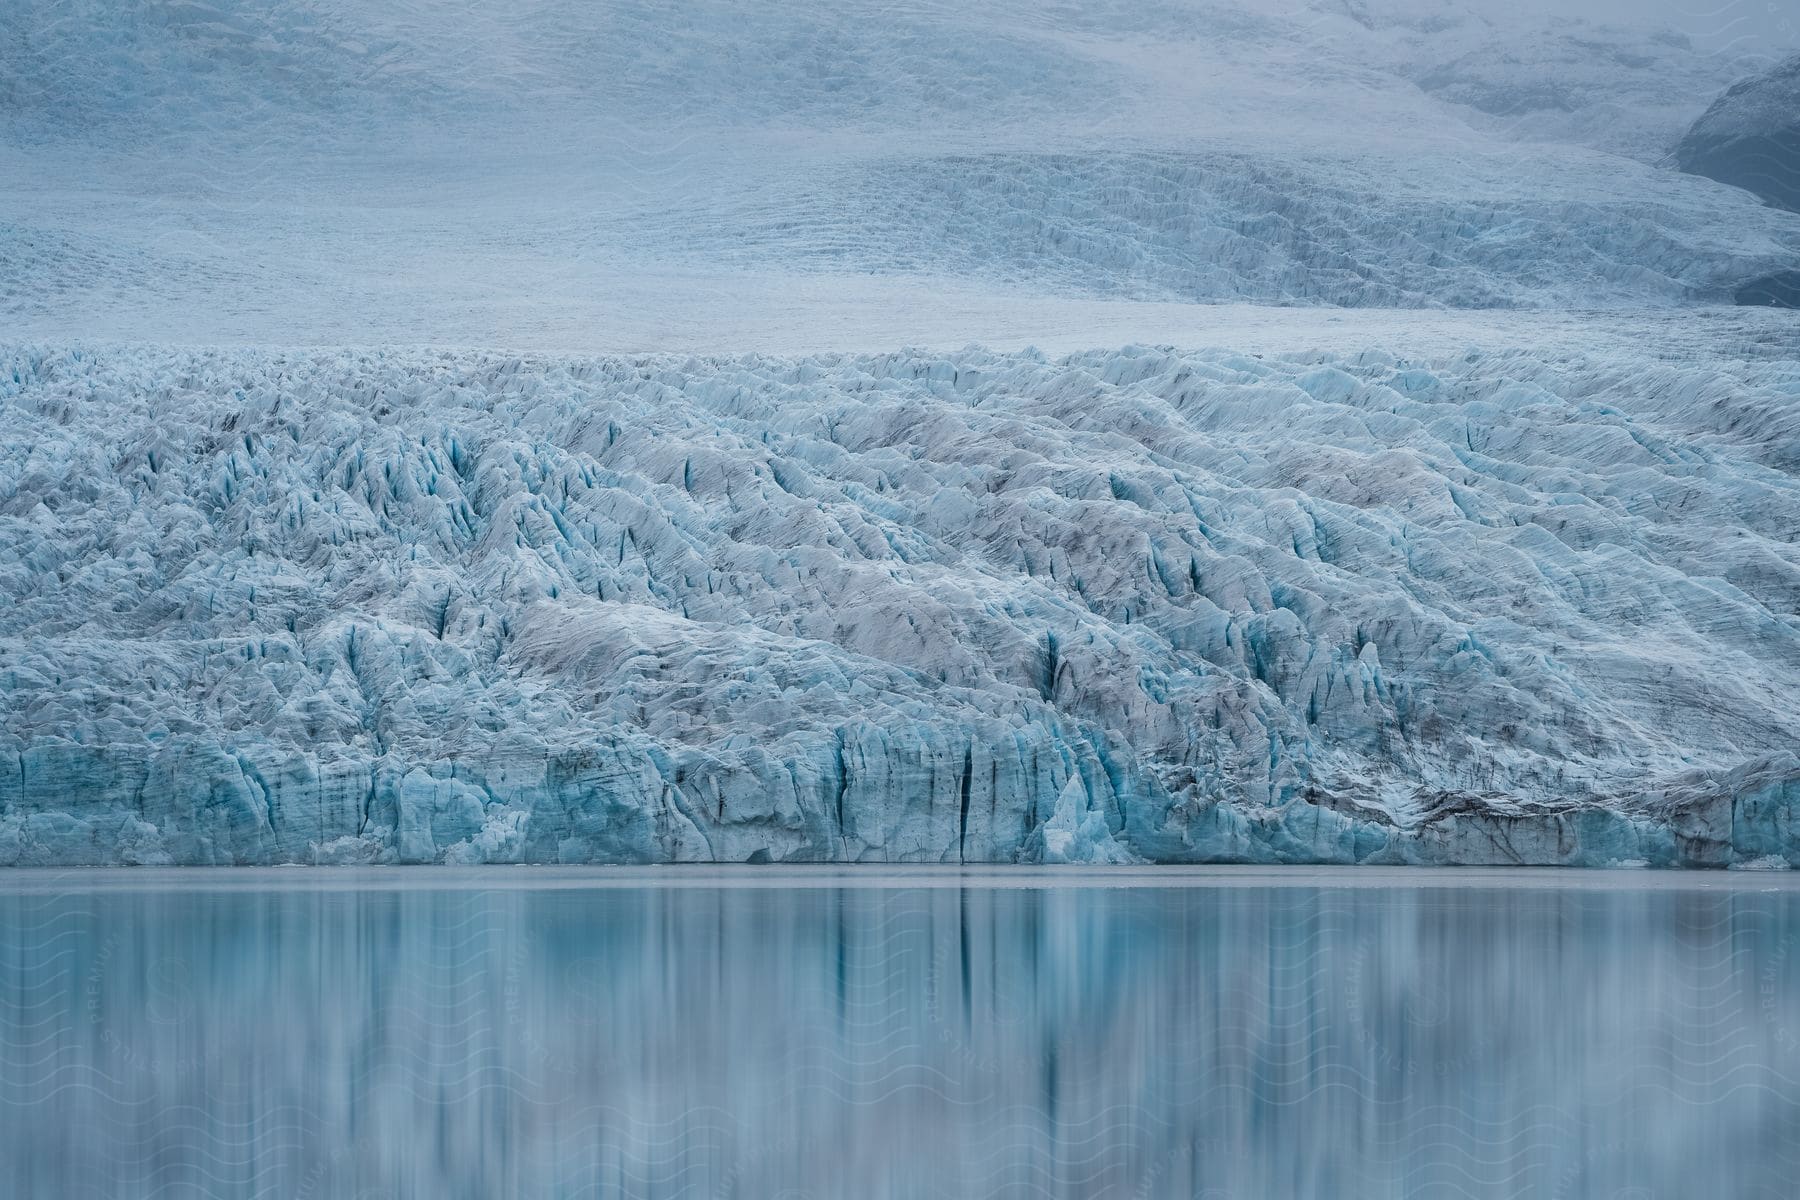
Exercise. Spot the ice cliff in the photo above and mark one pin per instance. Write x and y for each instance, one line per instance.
(430, 606)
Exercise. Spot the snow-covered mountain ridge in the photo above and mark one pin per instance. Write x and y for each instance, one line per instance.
(980, 607)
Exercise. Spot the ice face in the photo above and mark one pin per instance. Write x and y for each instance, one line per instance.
(436, 606)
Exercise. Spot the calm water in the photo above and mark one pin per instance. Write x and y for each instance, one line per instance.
(366, 1039)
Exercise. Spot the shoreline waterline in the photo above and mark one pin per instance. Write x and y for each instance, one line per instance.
(528, 877)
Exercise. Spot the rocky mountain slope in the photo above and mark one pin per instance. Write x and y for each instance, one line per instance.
(1750, 137)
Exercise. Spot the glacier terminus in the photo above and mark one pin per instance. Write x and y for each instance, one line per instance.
(1146, 604)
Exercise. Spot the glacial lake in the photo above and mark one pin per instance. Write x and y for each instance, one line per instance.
(788, 1034)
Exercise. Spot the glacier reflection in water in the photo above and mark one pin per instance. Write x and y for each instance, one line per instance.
(868, 1042)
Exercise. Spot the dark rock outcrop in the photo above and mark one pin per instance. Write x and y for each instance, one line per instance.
(1750, 137)
(1780, 290)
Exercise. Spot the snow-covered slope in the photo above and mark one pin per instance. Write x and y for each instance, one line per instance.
(1543, 77)
(1221, 226)
(435, 606)
(260, 172)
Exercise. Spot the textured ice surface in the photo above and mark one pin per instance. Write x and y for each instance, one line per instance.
(1241, 226)
(420, 172)
(425, 606)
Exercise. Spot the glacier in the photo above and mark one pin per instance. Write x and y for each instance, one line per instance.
(1142, 430)
(583, 178)
(1146, 604)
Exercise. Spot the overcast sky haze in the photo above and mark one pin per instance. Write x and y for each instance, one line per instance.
(1717, 24)
(1713, 21)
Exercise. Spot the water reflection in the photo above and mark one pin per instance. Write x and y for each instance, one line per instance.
(867, 1043)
